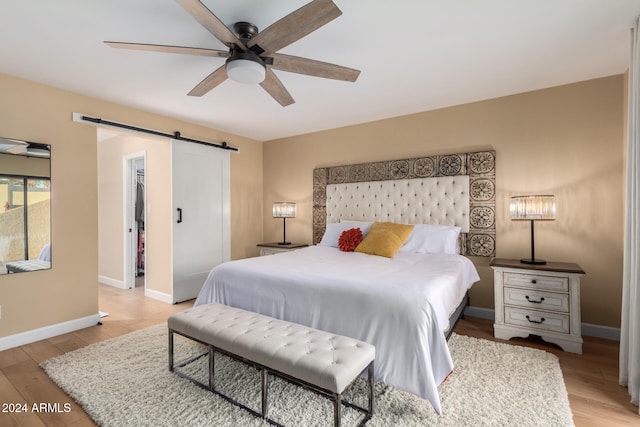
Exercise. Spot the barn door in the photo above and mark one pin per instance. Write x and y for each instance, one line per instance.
(201, 214)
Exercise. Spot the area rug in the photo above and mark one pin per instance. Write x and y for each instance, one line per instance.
(125, 381)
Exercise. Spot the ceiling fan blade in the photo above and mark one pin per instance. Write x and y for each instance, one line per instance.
(311, 67)
(169, 49)
(276, 89)
(294, 26)
(209, 82)
(211, 22)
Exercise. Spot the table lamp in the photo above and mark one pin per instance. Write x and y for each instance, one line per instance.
(284, 210)
(533, 208)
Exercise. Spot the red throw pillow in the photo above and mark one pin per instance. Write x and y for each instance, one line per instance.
(350, 239)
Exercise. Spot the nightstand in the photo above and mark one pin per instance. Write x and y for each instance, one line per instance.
(541, 300)
(275, 248)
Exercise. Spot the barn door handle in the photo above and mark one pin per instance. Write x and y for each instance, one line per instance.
(179, 215)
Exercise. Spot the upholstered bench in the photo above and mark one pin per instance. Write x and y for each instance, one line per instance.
(320, 361)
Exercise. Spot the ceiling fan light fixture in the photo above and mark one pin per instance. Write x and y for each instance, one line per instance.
(245, 69)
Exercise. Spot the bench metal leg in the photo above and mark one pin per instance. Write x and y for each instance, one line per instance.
(337, 398)
(337, 410)
(211, 368)
(170, 350)
(265, 387)
(370, 381)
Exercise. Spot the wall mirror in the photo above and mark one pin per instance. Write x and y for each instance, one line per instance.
(25, 206)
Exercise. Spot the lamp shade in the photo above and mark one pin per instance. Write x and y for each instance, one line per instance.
(534, 208)
(284, 210)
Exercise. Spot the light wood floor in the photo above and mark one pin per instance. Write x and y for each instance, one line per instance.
(591, 379)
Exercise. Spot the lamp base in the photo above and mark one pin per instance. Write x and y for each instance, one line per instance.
(284, 243)
(533, 261)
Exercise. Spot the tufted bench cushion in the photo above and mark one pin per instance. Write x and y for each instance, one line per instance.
(327, 361)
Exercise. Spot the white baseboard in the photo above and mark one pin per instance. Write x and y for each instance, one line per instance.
(111, 282)
(588, 329)
(45, 332)
(160, 296)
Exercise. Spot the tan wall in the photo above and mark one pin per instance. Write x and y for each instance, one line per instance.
(565, 141)
(68, 291)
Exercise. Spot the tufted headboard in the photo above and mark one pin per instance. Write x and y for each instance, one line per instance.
(442, 200)
(455, 189)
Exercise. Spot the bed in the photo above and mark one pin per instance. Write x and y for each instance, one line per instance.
(403, 304)
(27, 265)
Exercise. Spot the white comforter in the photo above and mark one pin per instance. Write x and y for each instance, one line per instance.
(400, 305)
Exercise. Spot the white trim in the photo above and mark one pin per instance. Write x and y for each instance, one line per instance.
(160, 296)
(111, 282)
(588, 329)
(45, 332)
(130, 237)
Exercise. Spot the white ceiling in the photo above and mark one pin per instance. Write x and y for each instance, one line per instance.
(415, 55)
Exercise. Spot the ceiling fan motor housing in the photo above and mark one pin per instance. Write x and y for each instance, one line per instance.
(245, 66)
(245, 31)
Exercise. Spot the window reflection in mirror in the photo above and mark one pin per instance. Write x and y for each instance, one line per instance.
(25, 208)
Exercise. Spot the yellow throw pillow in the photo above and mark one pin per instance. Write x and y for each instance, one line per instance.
(384, 239)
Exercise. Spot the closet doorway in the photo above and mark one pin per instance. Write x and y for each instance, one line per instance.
(135, 261)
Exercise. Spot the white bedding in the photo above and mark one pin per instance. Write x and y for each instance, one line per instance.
(400, 305)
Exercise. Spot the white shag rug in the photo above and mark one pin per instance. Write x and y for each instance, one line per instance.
(125, 381)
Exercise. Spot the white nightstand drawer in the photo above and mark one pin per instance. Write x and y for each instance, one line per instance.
(537, 281)
(536, 299)
(542, 320)
(277, 248)
(270, 251)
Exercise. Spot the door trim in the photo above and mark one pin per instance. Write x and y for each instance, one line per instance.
(130, 227)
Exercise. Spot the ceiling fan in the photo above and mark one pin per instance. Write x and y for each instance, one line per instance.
(252, 54)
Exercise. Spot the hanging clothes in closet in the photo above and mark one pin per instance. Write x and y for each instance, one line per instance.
(139, 216)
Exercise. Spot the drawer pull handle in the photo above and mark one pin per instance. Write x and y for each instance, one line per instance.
(534, 301)
(535, 321)
(534, 281)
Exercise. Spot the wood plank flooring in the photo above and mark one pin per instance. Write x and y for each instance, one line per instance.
(591, 379)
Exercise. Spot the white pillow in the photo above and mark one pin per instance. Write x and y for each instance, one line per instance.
(364, 226)
(432, 239)
(45, 253)
(334, 230)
